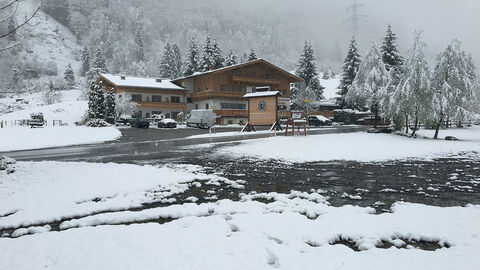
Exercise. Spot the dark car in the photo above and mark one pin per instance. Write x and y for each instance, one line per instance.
(319, 120)
(140, 123)
(386, 130)
(167, 123)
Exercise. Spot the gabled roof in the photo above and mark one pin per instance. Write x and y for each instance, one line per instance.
(140, 82)
(263, 94)
(196, 74)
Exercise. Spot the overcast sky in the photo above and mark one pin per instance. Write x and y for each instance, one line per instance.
(440, 20)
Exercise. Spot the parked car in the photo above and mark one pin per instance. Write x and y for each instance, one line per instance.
(167, 123)
(386, 130)
(140, 123)
(319, 120)
(201, 118)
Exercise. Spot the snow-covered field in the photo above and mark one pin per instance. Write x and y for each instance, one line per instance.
(356, 146)
(292, 231)
(70, 110)
(23, 138)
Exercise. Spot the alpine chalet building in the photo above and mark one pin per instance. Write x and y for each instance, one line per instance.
(222, 89)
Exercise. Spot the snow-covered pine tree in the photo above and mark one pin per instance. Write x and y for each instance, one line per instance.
(110, 106)
(252, 55)
(166, 62)
(139, 48)
(176, 62)
(390, 55)
(69, 75)
(471, 68)
(137, 69)
(11, 29)
(217, 55)
(207, 61)
(191, 63)
(85, 60)
(92, 101)
(453, 92)
(307, 70)
(99, 65)
(231, 59)
(350, 68)
(413, 94)
(369, 88)
(326, 75)
(100, 101)
(244, 57)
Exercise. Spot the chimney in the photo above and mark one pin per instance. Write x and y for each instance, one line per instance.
(122, 77)
(158, 80)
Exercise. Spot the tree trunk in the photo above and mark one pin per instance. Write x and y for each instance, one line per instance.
(415, 127)
(437, 129)
(375, 122)
(406, 123)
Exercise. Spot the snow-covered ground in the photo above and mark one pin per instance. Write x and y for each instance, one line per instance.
(71, 109)
(23, 138)
(293, 231)
(356, 146)
(331, 87)
(48, 191)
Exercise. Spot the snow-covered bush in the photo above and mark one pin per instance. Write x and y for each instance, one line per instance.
(50, 95)
(180, 117)
(97, 123)
(7, 164)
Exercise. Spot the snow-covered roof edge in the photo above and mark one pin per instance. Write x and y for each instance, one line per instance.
(236, 66)
(263, 94)
(140, 82)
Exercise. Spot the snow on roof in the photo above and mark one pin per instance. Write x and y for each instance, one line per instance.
(262, 94)
(232, 67)
(141, 82)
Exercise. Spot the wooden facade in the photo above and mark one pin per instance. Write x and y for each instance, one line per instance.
(227, 86)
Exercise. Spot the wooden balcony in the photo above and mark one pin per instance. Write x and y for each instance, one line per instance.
(162, 105)
(255, 80)
(232, 113)
(212, 94)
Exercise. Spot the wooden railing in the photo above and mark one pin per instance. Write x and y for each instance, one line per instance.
(255, 80)
(207, 94)
(163, 105)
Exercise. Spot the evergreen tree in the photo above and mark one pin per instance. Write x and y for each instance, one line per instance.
(85, 60)
(176, 62)
(217, 52)
(110, 106)
(191, 63)
(390, 54)
(244, 57)
(92, 101)
(252, 55)
(69, 75)
(139, 49)
(99, 65)
(350, 68)
(15, 77)
(307, 70)
(208, 60)
(370, 86)
(413, 94)
(167, 62)
(453, 97)
(231, 59)
(100, 101)
(11, 29)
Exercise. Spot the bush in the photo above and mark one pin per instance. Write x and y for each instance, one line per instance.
(346, 116)
(97, 123)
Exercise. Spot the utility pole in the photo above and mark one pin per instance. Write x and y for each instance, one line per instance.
(355, 18)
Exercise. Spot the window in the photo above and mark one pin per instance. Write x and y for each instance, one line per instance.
(233, 106)
(156, 113)
(240, 89)
(206, 87)
(254, 74)
(223, 88)
(267, 75)
(254, 89)
(206, 106)
(233, 88)
(284, 92)
(136, 97)
(156, 98)
(147, 115)
(238, 73)
(196, 106)
(175, 99)
(189, 100)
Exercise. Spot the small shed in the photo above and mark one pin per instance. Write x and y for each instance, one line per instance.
(262, 108)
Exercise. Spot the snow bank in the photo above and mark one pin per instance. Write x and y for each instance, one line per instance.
(353, 146)
(255, 235)
(48, 191)
(22, 138)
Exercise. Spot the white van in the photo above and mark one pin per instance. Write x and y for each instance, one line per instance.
(201, 118)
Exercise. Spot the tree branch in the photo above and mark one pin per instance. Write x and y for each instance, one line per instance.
(23, 23)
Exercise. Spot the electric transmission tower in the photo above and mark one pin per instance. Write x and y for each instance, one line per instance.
(355, 19)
